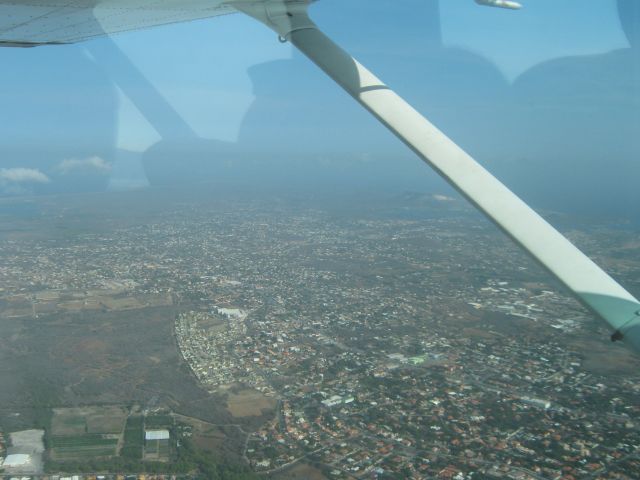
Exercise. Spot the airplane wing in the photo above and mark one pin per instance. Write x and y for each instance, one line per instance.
(30, 23)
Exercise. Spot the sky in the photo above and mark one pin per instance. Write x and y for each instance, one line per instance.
(546, 97)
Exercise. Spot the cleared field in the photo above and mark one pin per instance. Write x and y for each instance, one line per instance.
(30, 440)
(156, 421)
(301, 472)
(68, 425)
(157, 450)
(249, 403)
(82, 441)
(105, 424)
(82, 447)
(124, 303)
(156, 300)
(164, 449)
(213, 323)
(84, 453)
(86, 432)
(91, 420)
(133, 438)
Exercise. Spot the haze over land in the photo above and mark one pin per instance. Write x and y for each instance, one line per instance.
(546, 97)
(347, 336)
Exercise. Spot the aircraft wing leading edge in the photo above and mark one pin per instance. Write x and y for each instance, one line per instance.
(29, 23)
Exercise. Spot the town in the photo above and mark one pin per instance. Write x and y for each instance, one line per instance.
(401, 342)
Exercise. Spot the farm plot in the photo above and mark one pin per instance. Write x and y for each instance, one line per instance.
(158, 421)
(82, 446)
(108, 423)
(133, 438)
(157, 450)
(66, 424)
(86, 432)
(249, 402)
(92, 420)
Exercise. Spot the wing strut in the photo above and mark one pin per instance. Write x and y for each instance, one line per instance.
(588, 282)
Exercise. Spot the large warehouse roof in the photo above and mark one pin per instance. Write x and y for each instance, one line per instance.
(16, 460)
(156, 435)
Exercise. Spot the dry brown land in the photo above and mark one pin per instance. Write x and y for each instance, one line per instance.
(51, 302)
(216, 439)
(79, 420)
(301, 472)
(249, 403)
(97, 358)
(603, 358)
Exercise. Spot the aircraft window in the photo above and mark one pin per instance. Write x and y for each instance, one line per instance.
(214, 263)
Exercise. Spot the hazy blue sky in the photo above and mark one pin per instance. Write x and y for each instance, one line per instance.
(547, 97)
(207, 81)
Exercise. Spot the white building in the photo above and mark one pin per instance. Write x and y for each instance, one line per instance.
(16, 460)
(156, 435)
(334, 400)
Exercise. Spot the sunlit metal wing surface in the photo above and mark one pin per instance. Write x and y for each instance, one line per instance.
(25, 23)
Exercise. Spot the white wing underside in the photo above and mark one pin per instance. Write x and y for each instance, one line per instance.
(41, 22)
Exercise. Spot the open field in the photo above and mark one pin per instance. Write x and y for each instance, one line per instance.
(301, 471)
(82, 441)
(213, 323)
(82, 433)
(92, 420)
(606, 359)
(133, 438)
(249, 403)
(215, 439)
(158, 421)
(96, 358)
(81, 447)
(68, 424)
(107, 423)
(49, 302)
(157, 450)
(82, 452)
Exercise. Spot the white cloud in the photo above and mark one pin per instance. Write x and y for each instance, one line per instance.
(442, 198)
(22, 175)
(90, 164)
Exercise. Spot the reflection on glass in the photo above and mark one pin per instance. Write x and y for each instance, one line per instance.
(214, 264)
